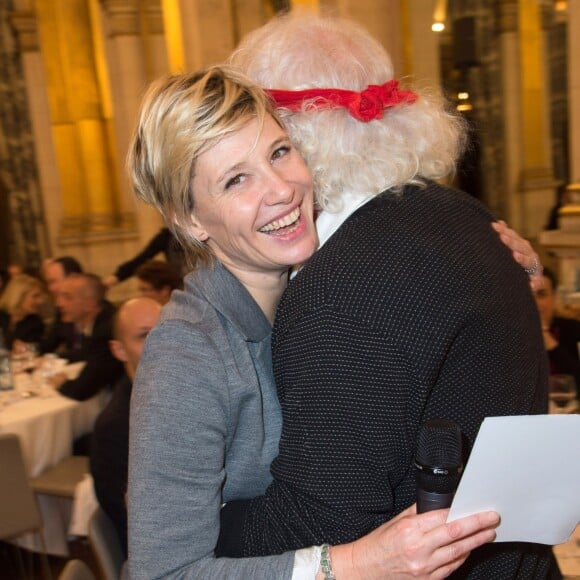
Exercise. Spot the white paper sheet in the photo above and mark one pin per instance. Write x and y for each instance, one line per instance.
(528, 470)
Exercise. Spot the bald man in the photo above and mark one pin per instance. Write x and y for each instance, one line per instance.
(81, 302)
(110, 441)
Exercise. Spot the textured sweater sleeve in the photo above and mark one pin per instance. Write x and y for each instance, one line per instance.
(330, 484)
(176, 468)
(345, 462)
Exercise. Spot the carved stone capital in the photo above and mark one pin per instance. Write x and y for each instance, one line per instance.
(152, 14)
(26, 26)
(91, 227)
(122, 16)
(508, 16)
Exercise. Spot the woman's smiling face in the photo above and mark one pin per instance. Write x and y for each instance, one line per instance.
(253, 201)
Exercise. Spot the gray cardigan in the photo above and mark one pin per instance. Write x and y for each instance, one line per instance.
(205, 425)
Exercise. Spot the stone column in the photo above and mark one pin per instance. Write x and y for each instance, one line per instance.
(153, 36)
(249, 15)
(574, 90)
(24, 21)
(565, 242)
(198, 33)
(510, 64)
(382, 18)
(424, 61)
(136, 55)
(77, 103)
(537, 183)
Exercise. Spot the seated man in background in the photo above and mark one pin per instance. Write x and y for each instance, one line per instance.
(561, 335)
(110, 440)
(81, 301)
(157, 279)
(60, 336)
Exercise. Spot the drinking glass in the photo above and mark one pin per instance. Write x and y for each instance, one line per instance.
(49, 367)
(30, 357)
(562, 390)
(17, 361)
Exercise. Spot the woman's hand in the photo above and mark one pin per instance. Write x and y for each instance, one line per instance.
(414, 546)
(522, 252)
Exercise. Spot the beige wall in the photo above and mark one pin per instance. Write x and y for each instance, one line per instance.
(134, 41)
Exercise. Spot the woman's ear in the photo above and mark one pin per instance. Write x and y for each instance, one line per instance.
(198, 230)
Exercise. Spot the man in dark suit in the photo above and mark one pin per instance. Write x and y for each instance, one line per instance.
(561, 335)
(110, 440)
(60, 336)
(81, 301)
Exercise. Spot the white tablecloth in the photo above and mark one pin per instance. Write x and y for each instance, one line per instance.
(47, 427)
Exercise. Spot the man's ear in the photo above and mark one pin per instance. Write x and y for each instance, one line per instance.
(118, 350)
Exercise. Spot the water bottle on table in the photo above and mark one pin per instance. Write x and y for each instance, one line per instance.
(6, 383)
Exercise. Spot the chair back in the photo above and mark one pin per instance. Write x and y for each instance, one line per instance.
(18, 508)
(106, 545)
(61, 479)
(76, 570)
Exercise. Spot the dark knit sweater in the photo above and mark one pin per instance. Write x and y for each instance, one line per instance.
(412, 310)
(162, 242)
(109, 457)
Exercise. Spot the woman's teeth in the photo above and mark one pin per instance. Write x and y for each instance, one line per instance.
(282, 223)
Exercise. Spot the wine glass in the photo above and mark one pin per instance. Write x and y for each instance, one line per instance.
(30, 357)
(48, 368)
(562, 391)
(17, 359)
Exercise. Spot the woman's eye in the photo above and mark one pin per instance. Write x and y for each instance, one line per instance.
(280, 152)
(236, 180)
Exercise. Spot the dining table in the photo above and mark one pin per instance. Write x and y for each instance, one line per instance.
(47, 424)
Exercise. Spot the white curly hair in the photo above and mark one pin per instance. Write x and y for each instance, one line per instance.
(298, 51)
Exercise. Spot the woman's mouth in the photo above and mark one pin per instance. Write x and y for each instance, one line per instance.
(284, 225)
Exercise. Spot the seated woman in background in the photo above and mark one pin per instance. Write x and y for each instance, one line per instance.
(20, 307)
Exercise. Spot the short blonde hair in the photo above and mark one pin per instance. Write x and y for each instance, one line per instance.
(181, 117)
(15, 292)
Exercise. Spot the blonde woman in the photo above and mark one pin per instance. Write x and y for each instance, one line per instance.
(20, 306)
(211, 154)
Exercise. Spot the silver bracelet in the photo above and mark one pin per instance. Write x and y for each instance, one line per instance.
(325, 563)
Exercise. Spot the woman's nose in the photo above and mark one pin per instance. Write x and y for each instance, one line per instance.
(279, 189)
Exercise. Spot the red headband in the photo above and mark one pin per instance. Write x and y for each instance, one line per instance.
(364, 106)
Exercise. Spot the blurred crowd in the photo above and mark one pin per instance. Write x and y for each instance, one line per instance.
(41, 307)
(63, 309)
